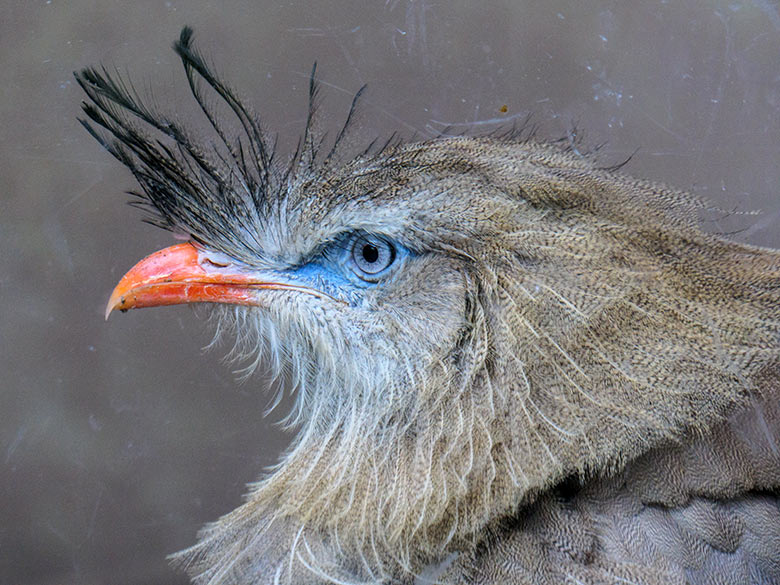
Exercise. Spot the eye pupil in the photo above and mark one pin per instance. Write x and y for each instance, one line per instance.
(370, 253)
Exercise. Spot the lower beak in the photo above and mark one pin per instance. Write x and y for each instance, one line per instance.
(183, 274)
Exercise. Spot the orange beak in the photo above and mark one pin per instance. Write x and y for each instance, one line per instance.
(183, 274)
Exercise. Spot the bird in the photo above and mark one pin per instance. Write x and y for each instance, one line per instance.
(512, 363)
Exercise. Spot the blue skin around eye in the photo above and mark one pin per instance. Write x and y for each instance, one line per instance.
(334, 272)
(329, 279)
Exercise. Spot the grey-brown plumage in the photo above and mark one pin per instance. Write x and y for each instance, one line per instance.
(557, 378)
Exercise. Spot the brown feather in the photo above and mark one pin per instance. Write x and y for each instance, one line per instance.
(565, 380)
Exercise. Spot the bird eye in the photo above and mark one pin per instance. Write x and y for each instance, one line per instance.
(371, 256)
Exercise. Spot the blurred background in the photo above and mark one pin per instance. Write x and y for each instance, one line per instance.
(119, 439)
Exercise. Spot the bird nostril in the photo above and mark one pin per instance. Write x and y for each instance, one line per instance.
(217, 264)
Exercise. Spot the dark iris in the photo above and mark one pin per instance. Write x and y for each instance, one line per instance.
(370, 253)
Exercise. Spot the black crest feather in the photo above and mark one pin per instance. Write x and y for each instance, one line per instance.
(219, 189)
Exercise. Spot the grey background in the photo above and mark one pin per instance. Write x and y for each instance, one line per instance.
(119, 439)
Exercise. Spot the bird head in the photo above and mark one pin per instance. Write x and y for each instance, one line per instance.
(467, 321)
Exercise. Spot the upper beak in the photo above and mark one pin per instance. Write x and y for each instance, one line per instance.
(184, 274)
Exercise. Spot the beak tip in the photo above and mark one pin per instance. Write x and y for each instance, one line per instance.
(114, 302)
